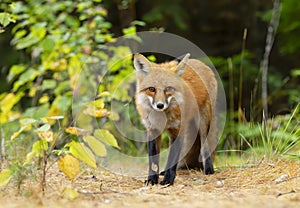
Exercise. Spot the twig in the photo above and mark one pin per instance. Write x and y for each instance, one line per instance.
(285, 193)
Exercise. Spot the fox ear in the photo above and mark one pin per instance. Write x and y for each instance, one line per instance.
(141, 63)
(180, 67)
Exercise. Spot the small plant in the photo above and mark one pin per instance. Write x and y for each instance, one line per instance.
(84, 146)
(278, 137)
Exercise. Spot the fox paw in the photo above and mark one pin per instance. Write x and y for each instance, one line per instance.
(152, 180)
(167, 182)
(208, 167)
(169, 177)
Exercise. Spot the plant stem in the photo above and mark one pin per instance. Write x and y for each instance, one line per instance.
(44, 166)
(240, 117)
(2, 150)
(240, 111)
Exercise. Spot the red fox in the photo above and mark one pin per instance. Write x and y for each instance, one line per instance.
(178, 98)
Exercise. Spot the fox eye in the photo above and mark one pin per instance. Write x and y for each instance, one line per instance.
(151, 89)
(169, 89)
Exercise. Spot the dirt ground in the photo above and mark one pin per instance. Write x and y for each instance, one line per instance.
(258, 186)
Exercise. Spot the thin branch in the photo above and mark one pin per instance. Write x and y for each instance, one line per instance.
(276, 11)
(285, 193)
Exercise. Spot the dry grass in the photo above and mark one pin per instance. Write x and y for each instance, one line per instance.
(229, 187)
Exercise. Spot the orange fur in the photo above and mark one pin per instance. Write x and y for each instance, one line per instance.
(179, 98)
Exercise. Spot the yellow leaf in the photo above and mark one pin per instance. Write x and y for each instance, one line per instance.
(32, 92)
(92, 25)
(104, 94)
(46, 135)
(65, 49)
(44, 99)
(8, 102)
(97, 103)
(51, 118)
(81, 152)
(95, 112)
(16, 134)
(54, 111)
(76, 131)
(5, 176)
(69, 193)
(97, 146)
(106, 137)
(69, 166)
(59, 65)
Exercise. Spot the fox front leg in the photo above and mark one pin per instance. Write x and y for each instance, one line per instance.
(153, 155)
(173, 157)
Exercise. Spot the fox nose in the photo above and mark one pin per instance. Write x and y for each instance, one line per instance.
(160, 105)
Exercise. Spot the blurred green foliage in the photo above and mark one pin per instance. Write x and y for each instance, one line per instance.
(289, 28)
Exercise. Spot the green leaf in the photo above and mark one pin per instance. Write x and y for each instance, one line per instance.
(296, 72)
(48, 84)
(14, 71)
(39, 147)
(81, 152)
(97, 146)
(129, 31)
(45, 127)
(6, 18)
(48, 44)
(62, 103)
(106, 137)
(5, 176)
(37, 112)
(62, 87)
(27, 121)
(28, 76)
(37, 33)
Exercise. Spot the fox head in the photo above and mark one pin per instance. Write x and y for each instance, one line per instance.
(159, 84)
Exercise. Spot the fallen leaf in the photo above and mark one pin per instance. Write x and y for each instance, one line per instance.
(69, 193)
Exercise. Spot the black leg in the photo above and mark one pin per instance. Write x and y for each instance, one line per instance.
(153, 153)
(173, 157)
(208, 167)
